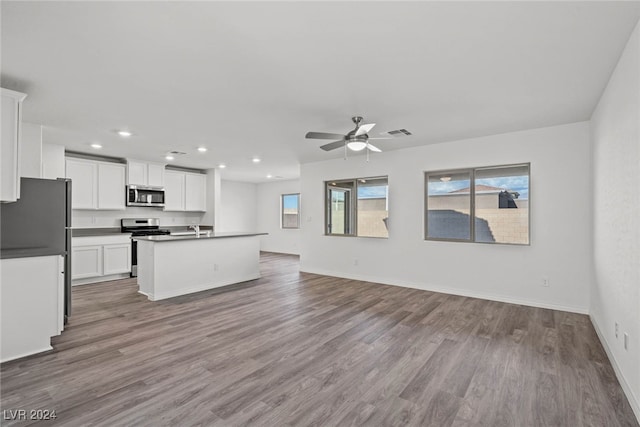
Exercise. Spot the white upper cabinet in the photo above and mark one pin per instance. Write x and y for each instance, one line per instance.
(96, 185)
(10, 145)
(84, 183)
(144, 173)
(136, 173)
(174, 190)
(155, 174)
(111, 191)
(185, 191)
(195, 195)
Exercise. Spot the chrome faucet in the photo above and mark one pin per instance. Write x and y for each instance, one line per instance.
(196, 228)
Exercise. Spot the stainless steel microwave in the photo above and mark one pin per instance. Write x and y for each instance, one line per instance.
(138, 195)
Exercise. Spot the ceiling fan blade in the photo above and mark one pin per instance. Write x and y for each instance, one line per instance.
(397, 132)
(323, 135)
(364, 129)
(374, 148)
(333, 145)
(388, 137)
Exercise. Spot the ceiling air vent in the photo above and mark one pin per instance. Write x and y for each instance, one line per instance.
(177, 153)
(399, 132)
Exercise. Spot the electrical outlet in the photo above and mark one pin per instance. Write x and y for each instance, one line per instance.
(215, 267)
(545, 282)
(355, 262)
(626, 341)
(93, 220)
(617, 329)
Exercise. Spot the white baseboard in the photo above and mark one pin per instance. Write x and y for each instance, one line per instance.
(447, 290)
(205, 287)
(31, 353)
(91, 280)
(633, 400)
(280, 252)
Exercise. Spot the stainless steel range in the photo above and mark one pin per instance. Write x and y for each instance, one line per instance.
(140, 227)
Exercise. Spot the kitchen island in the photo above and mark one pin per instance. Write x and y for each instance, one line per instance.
(170, 265)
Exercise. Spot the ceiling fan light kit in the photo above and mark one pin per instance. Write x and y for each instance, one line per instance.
(355, 140)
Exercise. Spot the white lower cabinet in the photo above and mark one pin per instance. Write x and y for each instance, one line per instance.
(116, 259)
(100, 258)
(86, 261)
(32, 305)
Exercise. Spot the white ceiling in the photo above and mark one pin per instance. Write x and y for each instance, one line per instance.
(250, 79)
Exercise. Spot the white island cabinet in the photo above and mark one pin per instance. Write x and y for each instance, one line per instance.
(169, 266)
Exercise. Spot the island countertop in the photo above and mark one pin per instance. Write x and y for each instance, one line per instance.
(202, 236)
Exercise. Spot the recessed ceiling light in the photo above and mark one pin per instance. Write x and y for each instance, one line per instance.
(202, 149)
(169, 157)
(256, 160)
(96, 146)
(269, 176)
(124, 133)
(222, 166)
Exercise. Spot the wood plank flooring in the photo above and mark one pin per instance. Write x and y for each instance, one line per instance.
(307, 350)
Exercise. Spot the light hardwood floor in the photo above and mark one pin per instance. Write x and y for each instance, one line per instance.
(302, 349)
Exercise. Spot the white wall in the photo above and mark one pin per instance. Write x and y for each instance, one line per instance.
(31, 151)
(238, 208)
(52, 161)
(615, 295)
(213, 196)
(283, 240)
(560, 222)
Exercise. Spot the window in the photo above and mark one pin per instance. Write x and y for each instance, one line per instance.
(290, 208)
(357, 207)
(485, 205)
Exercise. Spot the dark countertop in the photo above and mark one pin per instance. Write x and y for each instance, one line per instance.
(109, 231)
(90, 232)
(29, 252)
(212, 235)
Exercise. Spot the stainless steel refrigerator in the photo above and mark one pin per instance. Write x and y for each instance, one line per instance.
(40, 220)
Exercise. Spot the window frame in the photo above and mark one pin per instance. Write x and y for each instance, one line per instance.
(472, 203)
(282, 226)
(353, 203)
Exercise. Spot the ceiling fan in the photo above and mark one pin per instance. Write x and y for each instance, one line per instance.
(355, 140)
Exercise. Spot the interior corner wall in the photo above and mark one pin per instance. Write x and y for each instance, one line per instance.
(560, 198)
(31, 151)
(238, 207)
(615, 295)
(280, 240)
(213, 187)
